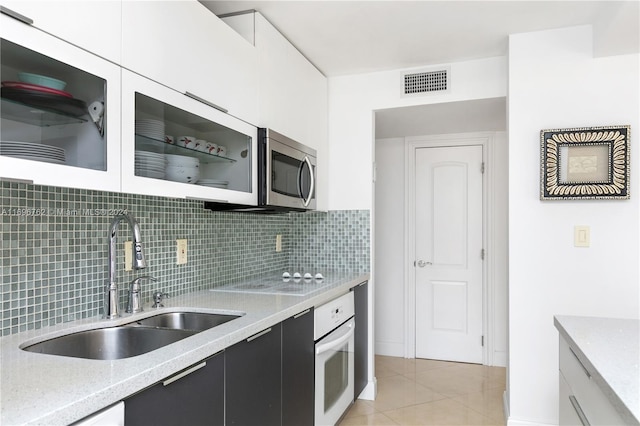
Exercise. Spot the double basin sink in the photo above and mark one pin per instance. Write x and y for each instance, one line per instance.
(131, 339)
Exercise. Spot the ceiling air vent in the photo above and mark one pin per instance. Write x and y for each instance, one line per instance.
(426, 81)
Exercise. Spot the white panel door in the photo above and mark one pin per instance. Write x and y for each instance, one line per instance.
(448, 244)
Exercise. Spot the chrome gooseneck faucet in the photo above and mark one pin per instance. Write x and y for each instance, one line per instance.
(111, 289)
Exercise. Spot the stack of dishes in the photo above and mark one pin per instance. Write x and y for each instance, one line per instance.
(44, 93)
(150, 164)
(149, 128)
(182, 168)
(33, 151)
(214, 183)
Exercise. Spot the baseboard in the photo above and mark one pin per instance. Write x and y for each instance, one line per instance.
(517, 422)
(390, 349)
(369, 392)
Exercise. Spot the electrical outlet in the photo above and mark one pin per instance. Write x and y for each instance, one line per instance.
(181, 251)
(278, 243)
(128, 255)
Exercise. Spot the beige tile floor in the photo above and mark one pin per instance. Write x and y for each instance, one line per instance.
(427, 392)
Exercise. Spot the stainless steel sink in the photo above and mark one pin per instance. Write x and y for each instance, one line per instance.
(110, 343)
(131, 339)
(195, 321)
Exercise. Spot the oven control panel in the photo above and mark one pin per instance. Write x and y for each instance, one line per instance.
(330, 315)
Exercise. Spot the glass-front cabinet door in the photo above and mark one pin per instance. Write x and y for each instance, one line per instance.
(176, 146)
(59, 111)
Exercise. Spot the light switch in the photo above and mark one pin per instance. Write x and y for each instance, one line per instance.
(581, 236)
(128, 255)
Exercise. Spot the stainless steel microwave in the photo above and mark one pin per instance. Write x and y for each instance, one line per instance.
(286, 172)
(286, 177)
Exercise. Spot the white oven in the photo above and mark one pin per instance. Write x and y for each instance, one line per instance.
(334, 328)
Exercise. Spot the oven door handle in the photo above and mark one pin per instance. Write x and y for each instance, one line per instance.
(324, 347)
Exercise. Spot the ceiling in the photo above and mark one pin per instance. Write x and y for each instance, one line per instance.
(351, 37)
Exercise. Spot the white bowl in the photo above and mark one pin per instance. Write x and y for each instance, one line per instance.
(182, 174)
(182, 160)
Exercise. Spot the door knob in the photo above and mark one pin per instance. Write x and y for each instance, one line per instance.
(422, 263)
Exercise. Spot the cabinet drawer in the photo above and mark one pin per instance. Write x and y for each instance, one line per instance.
(596, 406)
(567, 412)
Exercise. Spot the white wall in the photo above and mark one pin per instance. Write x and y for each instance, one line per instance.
(389, 247)
(352, 102)
(554, 82)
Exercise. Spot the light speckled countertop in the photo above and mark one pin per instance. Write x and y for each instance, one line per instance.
(56, 390)
(609, 348)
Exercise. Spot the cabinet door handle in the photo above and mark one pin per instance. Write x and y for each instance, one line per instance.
(581, 364)
(15, 15)
(579, 412)
(301, 313)
(262, 333)
(206, 102)
(182, 374)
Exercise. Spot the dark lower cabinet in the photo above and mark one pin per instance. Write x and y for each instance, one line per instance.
(254, 380)
(298, 370)
(192, 397)
(361, 358)
(265, 380)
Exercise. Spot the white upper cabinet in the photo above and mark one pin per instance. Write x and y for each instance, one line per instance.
(175, 146)
(293, 93)
(183, 45)
(94, 25)
(59, 112)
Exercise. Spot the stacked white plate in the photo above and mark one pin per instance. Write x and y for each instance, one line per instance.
(33, 151)
(150, 164)
(182, 168)
(149, 128)
(214, 183)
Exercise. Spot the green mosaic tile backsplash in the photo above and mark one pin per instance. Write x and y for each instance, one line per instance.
(54, 245)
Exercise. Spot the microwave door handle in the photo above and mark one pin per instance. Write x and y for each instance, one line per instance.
(324, 347)
(313, 182)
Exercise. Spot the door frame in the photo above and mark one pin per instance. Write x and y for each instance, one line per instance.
(486, 140)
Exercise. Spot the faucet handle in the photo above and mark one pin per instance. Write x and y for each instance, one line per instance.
(157, 298)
